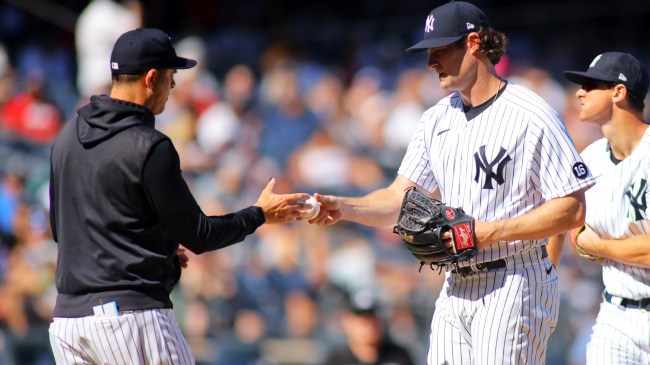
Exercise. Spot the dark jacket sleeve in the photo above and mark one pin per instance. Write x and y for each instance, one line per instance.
(180, 213)
(55, 237)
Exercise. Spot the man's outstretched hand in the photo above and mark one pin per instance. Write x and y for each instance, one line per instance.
(281, 208)
(330, 210)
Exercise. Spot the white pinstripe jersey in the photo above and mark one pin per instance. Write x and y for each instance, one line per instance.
(506, 161)
(617, 208)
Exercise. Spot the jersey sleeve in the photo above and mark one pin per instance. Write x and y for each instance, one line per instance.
(179, 212)
(557, 169)
(416, 165)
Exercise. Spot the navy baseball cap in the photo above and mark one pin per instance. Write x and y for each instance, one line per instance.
(142, 49)
(615, 67)
(448, 23)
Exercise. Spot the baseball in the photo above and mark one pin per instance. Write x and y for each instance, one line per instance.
(315, 208)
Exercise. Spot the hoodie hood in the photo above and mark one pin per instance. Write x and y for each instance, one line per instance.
(105, 117)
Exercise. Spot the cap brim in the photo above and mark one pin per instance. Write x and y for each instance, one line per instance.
(579, 77)
(365, 312)
(432, 43)
(183, 63)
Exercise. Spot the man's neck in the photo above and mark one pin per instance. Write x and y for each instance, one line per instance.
(483, 89)
(624, 132)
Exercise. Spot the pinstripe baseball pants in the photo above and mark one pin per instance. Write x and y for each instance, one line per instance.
(497, 317)
(133, 338)
(620, 336)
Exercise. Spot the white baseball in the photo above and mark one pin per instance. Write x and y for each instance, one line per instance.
(315, 208)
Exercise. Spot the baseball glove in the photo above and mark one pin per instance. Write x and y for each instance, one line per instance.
(421, 224)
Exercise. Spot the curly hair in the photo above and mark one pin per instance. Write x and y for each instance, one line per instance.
(492, 44)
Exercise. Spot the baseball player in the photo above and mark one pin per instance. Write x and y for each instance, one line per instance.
(119, 208)
(502, 154)
(617, 231)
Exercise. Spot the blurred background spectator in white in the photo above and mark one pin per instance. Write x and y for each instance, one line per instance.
(99, 24)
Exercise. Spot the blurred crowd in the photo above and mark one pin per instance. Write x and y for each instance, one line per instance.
(276, 298)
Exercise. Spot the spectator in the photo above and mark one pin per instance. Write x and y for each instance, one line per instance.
(366, 341)
(29, 115)
(99, 25)
(286, 121)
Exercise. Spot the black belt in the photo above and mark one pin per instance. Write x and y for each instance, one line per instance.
(643, 303)
(488, 266)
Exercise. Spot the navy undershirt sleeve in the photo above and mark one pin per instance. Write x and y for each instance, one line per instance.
(180, 213)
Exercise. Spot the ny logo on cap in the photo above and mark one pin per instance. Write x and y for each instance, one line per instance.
(428, 26)
(595, 61)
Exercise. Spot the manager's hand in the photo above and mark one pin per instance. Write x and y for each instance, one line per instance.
(281, 208)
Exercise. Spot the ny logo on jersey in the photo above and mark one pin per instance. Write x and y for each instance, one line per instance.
(637, 194)
(482, 163)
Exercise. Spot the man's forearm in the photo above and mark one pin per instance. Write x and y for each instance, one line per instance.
(379, 208)
(553, 217)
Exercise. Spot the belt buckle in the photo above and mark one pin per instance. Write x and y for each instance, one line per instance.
(474, 266)
(616, 300)
(467, 270)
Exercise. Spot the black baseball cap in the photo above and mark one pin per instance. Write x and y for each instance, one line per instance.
(615, 67)
(448, 23)
(363, 303)
(142, 49)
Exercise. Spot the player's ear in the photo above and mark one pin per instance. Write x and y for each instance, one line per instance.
(150, 77)
(619, 93)
(473, 42)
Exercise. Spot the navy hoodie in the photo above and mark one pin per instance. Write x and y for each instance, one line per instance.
(119, 208)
